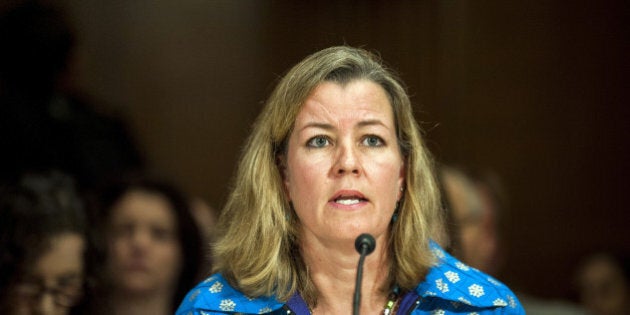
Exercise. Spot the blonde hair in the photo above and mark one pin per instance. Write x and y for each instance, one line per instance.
(257, 249)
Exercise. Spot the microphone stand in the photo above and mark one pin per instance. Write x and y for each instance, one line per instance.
(364, 244)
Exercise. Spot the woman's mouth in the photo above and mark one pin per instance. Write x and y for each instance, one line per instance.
(348, 198)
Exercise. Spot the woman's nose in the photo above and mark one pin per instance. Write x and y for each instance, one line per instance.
(141, 238)
(46, 304)
(347, 161)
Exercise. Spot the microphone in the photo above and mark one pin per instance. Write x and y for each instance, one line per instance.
(364, 244)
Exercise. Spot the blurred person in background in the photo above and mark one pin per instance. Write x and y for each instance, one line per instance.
(206, 218)
(45, 122)
(472, 220)
(603, 281)
(42, 246)
(151, 246)
(475, 203)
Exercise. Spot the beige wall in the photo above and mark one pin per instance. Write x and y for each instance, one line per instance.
(186, 74)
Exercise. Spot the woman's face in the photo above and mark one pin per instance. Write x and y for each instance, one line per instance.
(144, 251)
(55, 282)
(344, 170)
(603, 288)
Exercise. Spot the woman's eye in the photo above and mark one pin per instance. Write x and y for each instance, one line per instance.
(318, 142)
(124, 230)
(373, 141)
(162, 234)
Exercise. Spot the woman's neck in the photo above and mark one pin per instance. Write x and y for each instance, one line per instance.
(125, 303)
(333, 272)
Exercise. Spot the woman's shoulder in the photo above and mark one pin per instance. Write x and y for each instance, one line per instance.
(452, 285)
(214, 295)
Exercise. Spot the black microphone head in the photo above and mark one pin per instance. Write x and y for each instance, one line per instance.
(365, 244)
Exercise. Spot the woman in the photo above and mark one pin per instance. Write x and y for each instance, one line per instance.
(603, 280)
(335, 153)
(42, 246)
(152, 249)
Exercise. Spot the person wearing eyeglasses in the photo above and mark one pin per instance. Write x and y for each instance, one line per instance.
(42, 246)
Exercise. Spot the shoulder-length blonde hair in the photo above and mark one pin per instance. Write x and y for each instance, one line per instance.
(256, 248)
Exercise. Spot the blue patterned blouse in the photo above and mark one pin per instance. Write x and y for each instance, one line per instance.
(450, 287)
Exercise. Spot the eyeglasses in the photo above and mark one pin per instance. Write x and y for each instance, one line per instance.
(64, 295)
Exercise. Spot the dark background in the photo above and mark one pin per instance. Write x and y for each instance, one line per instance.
(536, 91)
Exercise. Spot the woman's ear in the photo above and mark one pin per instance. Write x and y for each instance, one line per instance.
(282, 169)
(401, 181)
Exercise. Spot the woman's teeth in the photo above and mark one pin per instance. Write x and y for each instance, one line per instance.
(348, 201)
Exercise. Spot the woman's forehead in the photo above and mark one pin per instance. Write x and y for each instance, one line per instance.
(361, 99)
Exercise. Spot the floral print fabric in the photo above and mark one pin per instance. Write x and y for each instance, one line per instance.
(450, 287)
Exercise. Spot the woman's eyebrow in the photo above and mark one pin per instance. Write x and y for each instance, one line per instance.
(361, 124)
(70, 276)
(371, 122)
(324, 126)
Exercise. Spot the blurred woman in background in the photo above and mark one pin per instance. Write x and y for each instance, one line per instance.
(603, 280)
(152, 247)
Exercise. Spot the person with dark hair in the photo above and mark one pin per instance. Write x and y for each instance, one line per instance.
(603, 280)
(42, 246)
(335, 154)
(45, 121)
(475, 202)
(152, 249)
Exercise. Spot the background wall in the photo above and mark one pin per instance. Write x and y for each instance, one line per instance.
(535, 91)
